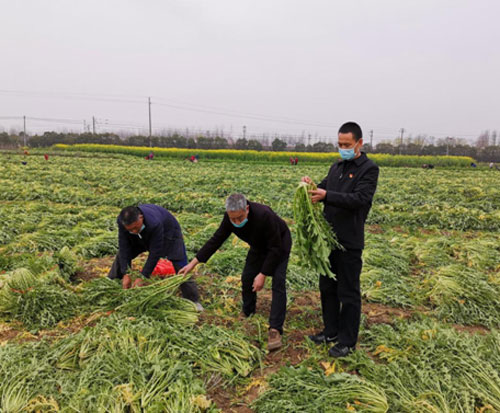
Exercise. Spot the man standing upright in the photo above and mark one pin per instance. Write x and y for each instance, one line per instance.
(347, 194)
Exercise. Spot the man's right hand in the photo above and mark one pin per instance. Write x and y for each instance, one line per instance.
(188, 268)
(306, 179)
(126, 282)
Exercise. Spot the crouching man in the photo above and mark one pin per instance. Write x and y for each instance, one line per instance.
(150, 228)
(270, 243)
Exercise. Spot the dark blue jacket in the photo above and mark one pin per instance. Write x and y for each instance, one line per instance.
(162, 237)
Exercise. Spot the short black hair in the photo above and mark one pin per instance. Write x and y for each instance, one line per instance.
(354, 128)
(129, 215)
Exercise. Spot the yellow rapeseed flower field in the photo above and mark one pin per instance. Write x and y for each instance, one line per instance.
(267, 156)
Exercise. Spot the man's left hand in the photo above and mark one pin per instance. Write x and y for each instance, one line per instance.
(258, 282)
(317, 195)
(138, 283)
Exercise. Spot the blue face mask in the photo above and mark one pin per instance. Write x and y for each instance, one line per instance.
(133, 233)
(347, 154)
(241, 224)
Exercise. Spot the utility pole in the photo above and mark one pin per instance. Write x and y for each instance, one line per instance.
(371, 140)
(423, 144)
(24, 122)
(93, 125)
(401, 142)
(150, 126)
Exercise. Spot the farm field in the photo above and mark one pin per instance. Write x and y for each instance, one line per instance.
(71, 340)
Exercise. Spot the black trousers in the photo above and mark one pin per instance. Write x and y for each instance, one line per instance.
(341, 298)
(252, 268)
(189, 289)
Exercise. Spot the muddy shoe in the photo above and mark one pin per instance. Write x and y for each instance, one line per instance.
(242, 316)
(274, 339)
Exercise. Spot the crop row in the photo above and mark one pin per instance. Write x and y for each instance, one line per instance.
(432, 249)
(445, 199)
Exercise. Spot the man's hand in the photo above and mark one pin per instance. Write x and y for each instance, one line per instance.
(139, 282)
(188, 268)
(258, 282)
(317, 195)
(306, 179)
(126, 282)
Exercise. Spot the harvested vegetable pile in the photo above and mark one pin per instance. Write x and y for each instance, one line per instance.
(40, 302)
(315, 238)
(123, 364)
(36, 303)
(303, 390)
(156, 300)
(416, 366)
(424, 366)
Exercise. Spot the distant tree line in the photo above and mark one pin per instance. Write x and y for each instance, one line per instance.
(484, 150)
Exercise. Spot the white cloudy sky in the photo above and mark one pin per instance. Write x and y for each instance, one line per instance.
(276, 66)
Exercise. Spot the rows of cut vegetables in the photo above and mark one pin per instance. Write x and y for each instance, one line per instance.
(73, 340)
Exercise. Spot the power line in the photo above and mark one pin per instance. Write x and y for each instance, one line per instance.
(248, 116)
(68, 96)
(139, 126)
(71, 121)
(10, 117)
(188, 107)
(230, 112)
(175, 104)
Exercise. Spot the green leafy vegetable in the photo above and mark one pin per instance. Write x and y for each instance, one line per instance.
(315, 237)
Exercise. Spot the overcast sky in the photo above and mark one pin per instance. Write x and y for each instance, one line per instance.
(276, 66)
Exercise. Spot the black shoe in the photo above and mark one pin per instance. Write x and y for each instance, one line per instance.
(321, 338)
(340, 350)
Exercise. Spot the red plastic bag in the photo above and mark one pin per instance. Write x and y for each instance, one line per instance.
(164, 268)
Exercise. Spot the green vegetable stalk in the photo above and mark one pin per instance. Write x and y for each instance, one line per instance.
(315, 238)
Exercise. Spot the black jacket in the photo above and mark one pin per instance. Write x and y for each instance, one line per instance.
(350, 186)
(162, 237)
(265, 231)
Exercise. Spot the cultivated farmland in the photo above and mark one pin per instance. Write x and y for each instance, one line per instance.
(71, 340)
